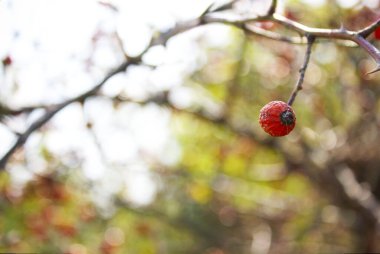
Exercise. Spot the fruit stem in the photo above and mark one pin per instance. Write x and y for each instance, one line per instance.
(302, 71)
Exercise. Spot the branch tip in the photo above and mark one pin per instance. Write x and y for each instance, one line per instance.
(207, 10)
(272, 8)
(374, 71)
(223, 7)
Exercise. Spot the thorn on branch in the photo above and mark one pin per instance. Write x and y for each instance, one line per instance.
(342, 28)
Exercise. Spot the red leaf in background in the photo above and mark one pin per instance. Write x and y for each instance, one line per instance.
(267, 25)
(7, 61)
(66, 229)
(291, 15)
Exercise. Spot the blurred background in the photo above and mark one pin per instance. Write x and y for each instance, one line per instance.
(169, 156)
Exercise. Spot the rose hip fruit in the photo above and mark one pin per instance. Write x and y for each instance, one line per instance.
(277, 118)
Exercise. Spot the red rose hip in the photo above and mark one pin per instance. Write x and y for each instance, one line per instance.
(277, 118)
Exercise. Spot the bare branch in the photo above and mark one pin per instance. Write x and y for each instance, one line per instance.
(254, 30)
(365, 32)
(357, 192)
(223, 7)
(109, 6)
(298, 87)
(22, 138)
(340, 34)
(371, 50)
(202, 114)
(6, 111)
(330, 34)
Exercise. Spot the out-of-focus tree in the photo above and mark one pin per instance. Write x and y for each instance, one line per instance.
(145, 138)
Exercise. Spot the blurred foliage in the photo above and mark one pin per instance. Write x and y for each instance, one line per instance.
(230, 192)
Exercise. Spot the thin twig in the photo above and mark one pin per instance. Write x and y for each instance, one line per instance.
(371, 50)
(298, 87)
(250, 29)
(332, 34)
(365, 32)
(340, 34)
(223, 7)
(272, 8)
(6, 111)
(22, 138)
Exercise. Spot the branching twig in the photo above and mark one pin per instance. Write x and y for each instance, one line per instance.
(298, 87)
(222, 7)
(339, 34)
(332, 34)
